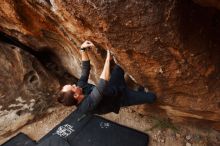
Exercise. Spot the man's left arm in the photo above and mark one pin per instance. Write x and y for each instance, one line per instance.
(85, 63)
(96, 95)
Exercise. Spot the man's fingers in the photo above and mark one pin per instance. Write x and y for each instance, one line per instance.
(89, 43)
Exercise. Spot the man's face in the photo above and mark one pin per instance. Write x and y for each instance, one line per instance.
(76, 90)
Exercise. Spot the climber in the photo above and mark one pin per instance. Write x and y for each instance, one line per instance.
(109, 95)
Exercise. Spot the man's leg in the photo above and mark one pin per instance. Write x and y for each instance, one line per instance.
(117, 77)
(116, 83)
(132, 97)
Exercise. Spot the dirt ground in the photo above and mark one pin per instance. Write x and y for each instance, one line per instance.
(162, 133)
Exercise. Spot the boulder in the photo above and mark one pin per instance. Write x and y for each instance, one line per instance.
(208, 3)
(170, 47)
(26, 88)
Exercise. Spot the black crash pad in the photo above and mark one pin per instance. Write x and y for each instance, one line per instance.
(95, 131)
(20, 140)
(102, 132)
(90, 130)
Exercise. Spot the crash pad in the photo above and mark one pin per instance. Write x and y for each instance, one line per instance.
(85, 130)
(20, 140)
(93, 130)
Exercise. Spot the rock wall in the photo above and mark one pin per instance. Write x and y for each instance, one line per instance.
(171, 47)
(25, 88)
(208, 3)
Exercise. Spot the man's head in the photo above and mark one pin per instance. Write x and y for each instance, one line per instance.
(70, 95)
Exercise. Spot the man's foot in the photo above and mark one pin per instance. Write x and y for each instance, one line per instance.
(151, 97)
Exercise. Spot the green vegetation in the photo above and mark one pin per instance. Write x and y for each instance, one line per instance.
(162, 123)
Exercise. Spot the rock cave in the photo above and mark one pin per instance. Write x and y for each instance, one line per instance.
(170, 47)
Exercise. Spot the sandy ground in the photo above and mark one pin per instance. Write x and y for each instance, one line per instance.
(162, 135)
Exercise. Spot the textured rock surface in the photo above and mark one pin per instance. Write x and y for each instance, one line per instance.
(209, 3)
(171, 47)
(25, 88)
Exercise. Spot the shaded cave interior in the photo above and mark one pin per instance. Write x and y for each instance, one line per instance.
(47, 59)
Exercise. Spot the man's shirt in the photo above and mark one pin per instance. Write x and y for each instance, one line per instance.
(96, 99)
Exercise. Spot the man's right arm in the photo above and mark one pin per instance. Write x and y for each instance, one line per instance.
(85, 63)
(85, 74)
